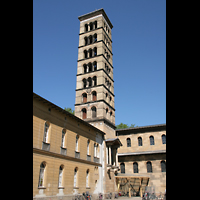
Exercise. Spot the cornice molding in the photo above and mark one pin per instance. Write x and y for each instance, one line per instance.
(65, 157)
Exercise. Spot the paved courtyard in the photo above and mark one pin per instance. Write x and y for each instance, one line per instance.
(131, 198)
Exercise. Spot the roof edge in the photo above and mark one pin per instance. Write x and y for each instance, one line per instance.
(94, 13)
(142, 127)
(36, 96)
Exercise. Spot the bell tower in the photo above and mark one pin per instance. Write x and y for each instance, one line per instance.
(94, 83)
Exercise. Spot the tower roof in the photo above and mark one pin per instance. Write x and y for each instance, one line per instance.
(95, 13)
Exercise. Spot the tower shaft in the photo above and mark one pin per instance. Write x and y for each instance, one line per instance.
(95, 84)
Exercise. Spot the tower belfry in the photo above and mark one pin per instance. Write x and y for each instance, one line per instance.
(95, 84)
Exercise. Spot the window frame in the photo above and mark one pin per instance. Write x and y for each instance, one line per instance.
(122, 168)
(139, 141)
(63, 138)
(60, 176)
(77, 143)
(163, 139)
(75, 177)
(128, 141)
(42, 175)
(87, 178)
(151, 140)
(149, 167)
(46, 132)
(135, 167)
(163, 165)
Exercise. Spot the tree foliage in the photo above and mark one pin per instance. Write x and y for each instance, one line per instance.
(121, 126)
(69, 110)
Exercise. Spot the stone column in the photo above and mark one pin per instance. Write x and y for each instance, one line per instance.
(109, 147)
(106, 155)
(116, 163)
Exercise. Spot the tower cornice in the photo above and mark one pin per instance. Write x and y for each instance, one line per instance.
(95, 13)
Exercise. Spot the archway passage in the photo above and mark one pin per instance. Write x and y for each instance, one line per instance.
(132, 185)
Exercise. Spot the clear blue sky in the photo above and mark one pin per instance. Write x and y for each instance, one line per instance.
(139, 55)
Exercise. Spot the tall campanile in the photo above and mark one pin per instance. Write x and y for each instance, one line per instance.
(95, 84)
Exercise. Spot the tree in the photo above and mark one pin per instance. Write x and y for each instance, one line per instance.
(121, 126)
(132, 125)
(69, 110)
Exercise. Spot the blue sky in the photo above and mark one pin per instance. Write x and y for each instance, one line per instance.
(139, 55)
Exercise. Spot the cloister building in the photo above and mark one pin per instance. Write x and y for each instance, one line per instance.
(84, 152)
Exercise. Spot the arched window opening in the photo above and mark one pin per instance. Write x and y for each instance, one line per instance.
(41, 176)
(106, 110)
(84, 83)
(84, 97)
(95, 37)
(87, 178)
(128, 140)
(85, 68)
(86, 27)
(90, 67)
(95, 80)
(94, 113)
(90, 39)
(164, 139)
(163, 166)
(94, 96)
(84, 113)
(91, 26)
(110, 113)
(139, 141)
(75, 176)
(122, 167)
(86, 41)
(95, 24)
(85, 53)
(95, 51)
(109, 84)
(60, 176)
(90, 82)
(149, 167)
(135, 167)
(151, 138)
(95, 65)
(90, 53)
